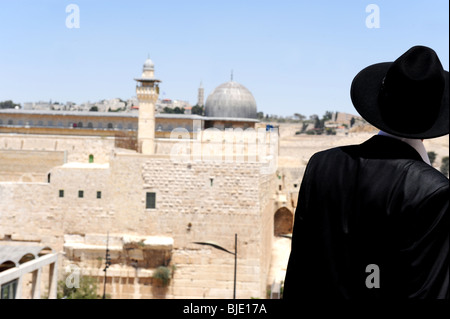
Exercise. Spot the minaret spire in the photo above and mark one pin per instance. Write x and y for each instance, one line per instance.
(147, 91)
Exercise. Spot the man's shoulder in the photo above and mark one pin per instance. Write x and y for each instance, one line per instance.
(403, 161)
(346, 150)
(427, 175)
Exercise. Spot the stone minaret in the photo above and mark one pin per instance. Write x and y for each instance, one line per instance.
(201, 95)
(147, 91)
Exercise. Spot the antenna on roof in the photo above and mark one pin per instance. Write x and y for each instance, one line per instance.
(231, 74)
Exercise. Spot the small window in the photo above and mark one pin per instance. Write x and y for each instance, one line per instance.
(90, 125)
(110, 126)
(150, 200)
(99, 194)
(61, 193)
(80, 194)
(91, 158)
(8, 290)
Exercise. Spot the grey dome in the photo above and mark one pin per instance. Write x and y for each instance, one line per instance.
(231, 99)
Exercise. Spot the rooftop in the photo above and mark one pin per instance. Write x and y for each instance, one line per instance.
(129, 115)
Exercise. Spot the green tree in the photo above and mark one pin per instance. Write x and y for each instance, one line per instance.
(196, 109)
(87, 289)
(93, 109)
(178, 110)
(299, 116)
(327, 116)
(260, 115)
(432, 157)
(8, 104)
(444, 166)
(318, 124)
(167, 109)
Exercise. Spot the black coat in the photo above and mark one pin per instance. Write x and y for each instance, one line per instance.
(378, 204)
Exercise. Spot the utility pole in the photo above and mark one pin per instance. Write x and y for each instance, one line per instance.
(212, 244)
(107, 264)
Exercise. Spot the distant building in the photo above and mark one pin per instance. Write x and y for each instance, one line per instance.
(339, 119)
(201, 95)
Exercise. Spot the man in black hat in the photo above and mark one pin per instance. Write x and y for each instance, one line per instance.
(372, 220)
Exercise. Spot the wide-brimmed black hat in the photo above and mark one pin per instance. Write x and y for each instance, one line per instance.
(407, 97)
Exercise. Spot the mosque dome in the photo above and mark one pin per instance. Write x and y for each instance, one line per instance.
(148, 65)
(231, 99)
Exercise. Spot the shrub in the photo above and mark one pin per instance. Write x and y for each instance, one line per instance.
(163, 275)
(87, 289)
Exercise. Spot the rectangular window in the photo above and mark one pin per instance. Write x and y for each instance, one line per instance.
(150, 201)
(61, 193)
(9, 289)
(80, 194)
(99, 195)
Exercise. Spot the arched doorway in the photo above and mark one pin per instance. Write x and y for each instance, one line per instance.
(283, 221)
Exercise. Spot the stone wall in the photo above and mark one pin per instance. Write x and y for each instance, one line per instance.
(28, 165)
(195, 202)
(78, 148)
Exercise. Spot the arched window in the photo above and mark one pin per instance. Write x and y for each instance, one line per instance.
(26, 257)
(110, 126)
(283, 221)
(6, 265)
(80, 124)
(90, 125)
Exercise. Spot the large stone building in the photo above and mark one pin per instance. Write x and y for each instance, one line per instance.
(183, 179)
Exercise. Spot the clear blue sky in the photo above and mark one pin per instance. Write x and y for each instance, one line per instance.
(294, 56)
